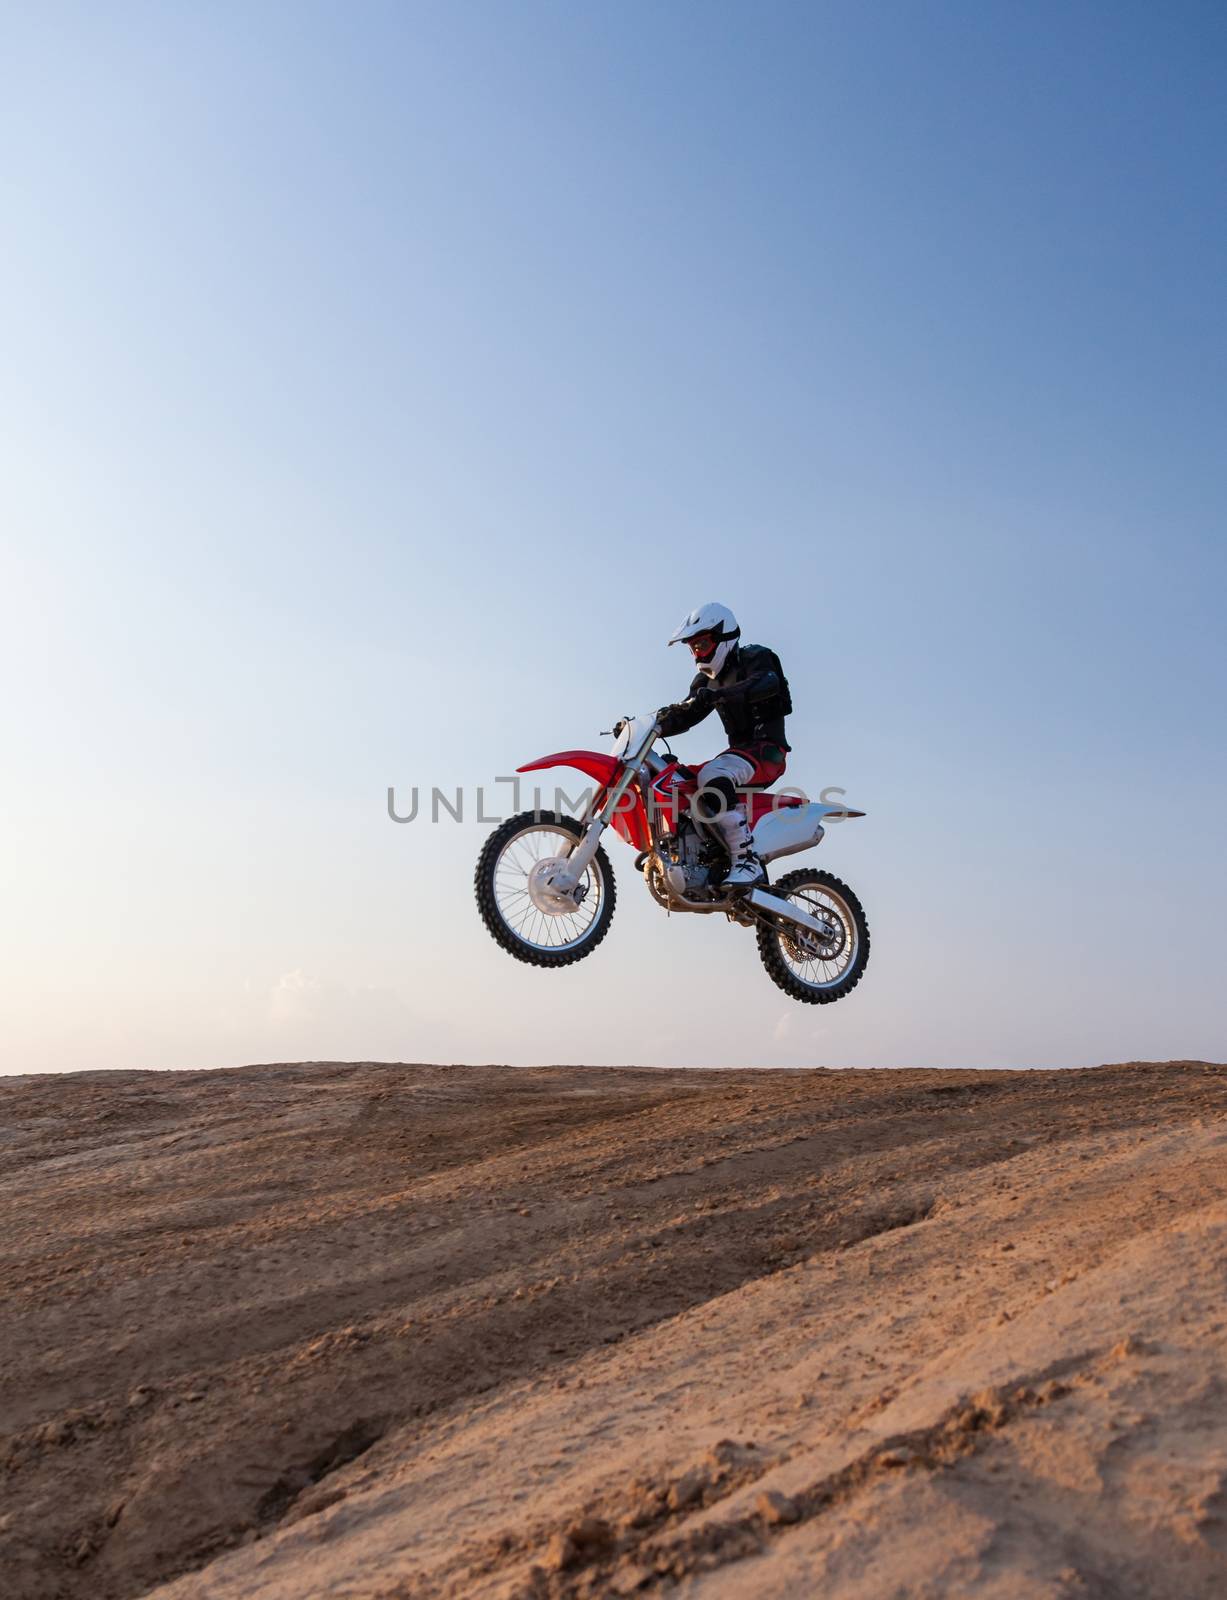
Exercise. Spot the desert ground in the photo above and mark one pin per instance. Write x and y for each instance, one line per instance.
(392, 1331)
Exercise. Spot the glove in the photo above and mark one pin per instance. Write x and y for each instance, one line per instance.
(673, 718)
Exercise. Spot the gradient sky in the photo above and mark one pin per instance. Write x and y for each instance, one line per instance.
(380, 386)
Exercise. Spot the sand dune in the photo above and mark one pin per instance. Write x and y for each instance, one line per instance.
(394, 1331)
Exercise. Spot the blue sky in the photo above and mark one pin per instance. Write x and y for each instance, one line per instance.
(382, 385)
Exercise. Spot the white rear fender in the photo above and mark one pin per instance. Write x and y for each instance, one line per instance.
(791, 828)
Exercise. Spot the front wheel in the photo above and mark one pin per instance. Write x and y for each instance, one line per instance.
(527, 922)
(813, 970)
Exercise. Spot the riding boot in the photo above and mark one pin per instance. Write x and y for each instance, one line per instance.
(746, 869)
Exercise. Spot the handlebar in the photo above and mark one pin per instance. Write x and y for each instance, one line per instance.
(649, 740)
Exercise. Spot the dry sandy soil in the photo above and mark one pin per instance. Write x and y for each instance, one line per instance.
(397, 1331)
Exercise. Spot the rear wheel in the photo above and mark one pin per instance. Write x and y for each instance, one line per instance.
(529, 922)
(807, 967)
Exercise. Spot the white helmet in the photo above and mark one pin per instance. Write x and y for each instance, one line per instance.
(711, 632)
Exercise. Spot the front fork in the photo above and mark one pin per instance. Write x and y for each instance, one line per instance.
(564, 879)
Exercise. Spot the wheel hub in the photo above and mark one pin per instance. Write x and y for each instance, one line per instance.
(802, 945)
(545, 897)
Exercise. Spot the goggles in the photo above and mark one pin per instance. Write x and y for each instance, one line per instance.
(703, 645)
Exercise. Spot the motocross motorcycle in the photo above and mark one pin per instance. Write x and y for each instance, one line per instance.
(546, 891)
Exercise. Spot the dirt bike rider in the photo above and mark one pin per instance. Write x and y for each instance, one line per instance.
(746, 685)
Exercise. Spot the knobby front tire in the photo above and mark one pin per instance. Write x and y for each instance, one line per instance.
(527, 934)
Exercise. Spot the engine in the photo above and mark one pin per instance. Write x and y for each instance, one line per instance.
(688, 861)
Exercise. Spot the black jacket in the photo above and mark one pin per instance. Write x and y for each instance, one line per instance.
(751, 695)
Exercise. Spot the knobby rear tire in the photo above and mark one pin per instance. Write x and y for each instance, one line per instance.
(769, 941)
(487, 902)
